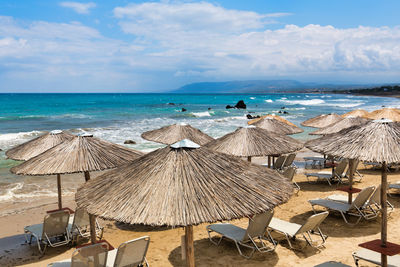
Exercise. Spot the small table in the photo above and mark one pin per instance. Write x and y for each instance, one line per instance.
(347, 189)
(391, 249)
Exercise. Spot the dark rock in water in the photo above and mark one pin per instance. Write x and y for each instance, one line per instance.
(171, 104)
(129, 142)
(240, 105)
(209, 108)
(229, 107)
(285, 112)
(283, 107)
(250, 117)
(184, 109)
(280, 111)
(1, 149)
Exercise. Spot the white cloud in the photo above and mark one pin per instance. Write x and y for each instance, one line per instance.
(80, 8)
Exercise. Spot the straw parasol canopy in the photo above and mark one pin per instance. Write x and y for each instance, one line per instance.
(276, 117)
(38, 145)
(322, 120)
(340, 125)
(184, 185)
(173, 133)
(252, 141)
(385, 113)
(375, 141)
(83, 153)
(277, 126)
(356, 113)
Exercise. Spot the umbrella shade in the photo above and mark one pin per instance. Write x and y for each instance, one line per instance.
(322, 120)
(80, 154)
(252, 141)
(277, 126)
(356, 113)
(183, 186)
(38, 145)
(276, 117)
(385, 113)
(173, 133)
(340, 125)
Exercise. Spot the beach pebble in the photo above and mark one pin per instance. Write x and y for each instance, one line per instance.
(129, 142)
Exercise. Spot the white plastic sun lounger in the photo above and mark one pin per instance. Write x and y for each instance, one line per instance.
(80, 226)
(310, 227)
(356, 208)
(375, 258)
(130, 253)
(52, 232)
(91, 255)
(339, 173)
(255, 231)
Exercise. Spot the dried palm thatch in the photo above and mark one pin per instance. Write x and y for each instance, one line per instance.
(38, 145)
(277, 127)
(79, 154)
(173, 133)
(376, 141)
(182, 187)
(356, 113)
(385, 113)
(340, 125)
(276, 117)
(252, 141)
(322, 120)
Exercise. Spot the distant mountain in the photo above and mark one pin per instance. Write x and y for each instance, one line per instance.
(258, 86)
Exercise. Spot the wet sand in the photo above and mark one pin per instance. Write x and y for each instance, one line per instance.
(165, 249)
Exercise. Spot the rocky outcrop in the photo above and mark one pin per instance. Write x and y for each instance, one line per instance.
(129, 142)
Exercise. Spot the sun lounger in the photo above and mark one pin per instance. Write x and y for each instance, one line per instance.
(289, 160)
(375, 258)
(80, 226)
(255, 231)
(395, 186)
(91, 255)
(130, 253)
(278, 165)
(339, 173)
(315, 162)
(289, 173)
(52, 232)
(310, 227)
(356, 208)
(374, 202)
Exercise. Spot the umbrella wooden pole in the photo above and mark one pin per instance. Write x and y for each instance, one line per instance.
(92, 218)
(249, 158)
(384, 213)
(351, 176)
(269, 161)
(189, 246)
(59, 191)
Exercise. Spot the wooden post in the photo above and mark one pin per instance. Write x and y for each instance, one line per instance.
(59, 191)
(384, 212)
(87, 176)
(351, 175)
(269, 161)
(92, 220)
(249, 158)
(189, 246)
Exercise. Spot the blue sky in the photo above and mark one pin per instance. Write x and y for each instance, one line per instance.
(141, 46)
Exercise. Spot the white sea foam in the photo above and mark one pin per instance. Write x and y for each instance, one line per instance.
(252, 97)
(311, 102)
(268, 100)
(11, 139)
(201, 114)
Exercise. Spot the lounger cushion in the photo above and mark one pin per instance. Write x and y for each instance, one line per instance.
(375, 257)
(228, 230)
(330, 204)
(339, 198)
(111, 255)
(284, 226)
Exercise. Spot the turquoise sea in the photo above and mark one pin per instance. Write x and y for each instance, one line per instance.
(117, 117)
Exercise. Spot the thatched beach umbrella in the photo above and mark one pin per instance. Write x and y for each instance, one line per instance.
(173, 133)
(276, 117)
(184, 185)
(277, 126)
(356, 113)
(252, 141)
(340, 125)
(376, 141)
(38, 145)
(83, 153)
(322, 120)
(385, 113)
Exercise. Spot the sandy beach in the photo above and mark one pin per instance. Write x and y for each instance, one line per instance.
(165, 248)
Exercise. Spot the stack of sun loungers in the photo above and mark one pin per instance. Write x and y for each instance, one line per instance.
(337, 176)
(283, 162)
